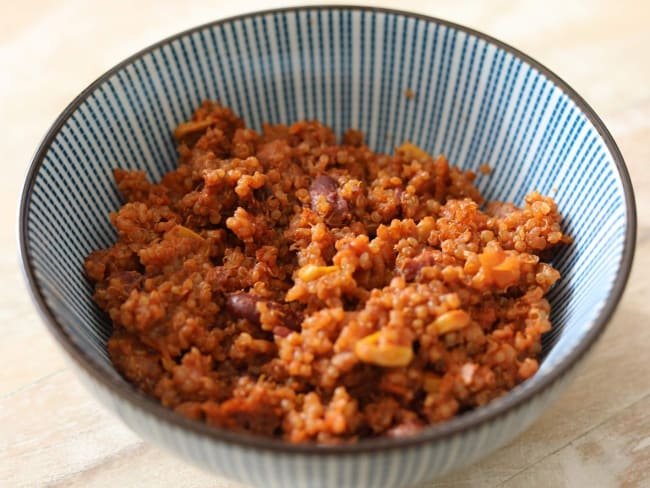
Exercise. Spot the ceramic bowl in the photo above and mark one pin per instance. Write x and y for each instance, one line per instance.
(396, 76)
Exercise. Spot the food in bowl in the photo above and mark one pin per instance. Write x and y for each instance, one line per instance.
(287, 285)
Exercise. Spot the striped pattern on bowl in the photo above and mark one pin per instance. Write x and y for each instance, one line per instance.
(396, 77)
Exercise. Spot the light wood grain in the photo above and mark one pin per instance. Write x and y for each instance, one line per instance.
(52, 433)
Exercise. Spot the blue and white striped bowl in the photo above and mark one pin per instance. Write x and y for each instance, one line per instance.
(474, 99)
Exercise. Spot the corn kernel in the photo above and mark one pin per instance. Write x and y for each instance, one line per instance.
(451, 321)
(506, 273)
(183, 231)
(311, 272)
(412, 151)
(192, 126)
(370, 350)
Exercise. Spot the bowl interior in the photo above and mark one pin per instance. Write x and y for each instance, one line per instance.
(468, 97)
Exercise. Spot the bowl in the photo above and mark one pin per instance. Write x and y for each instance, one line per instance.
(395, 76)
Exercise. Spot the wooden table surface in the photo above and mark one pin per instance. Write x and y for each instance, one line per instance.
(52, 433)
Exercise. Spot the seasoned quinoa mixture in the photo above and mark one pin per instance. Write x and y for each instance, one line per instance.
(288, 285)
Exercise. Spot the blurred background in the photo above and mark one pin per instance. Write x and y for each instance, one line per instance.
(53, 434)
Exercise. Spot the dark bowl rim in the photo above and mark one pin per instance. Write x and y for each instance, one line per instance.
(523, 393)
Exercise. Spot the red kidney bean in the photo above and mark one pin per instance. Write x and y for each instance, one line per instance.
(281, 331)
(325, 185)
(412, 266)
(244, 305)
(406, 429)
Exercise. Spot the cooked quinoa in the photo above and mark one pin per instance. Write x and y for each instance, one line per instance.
(287, 285)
